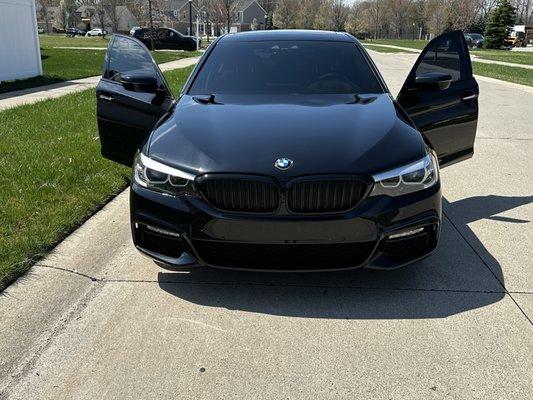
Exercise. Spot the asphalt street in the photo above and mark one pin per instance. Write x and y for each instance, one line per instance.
(96, 320)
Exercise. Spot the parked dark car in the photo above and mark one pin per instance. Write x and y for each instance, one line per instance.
(71, 32)
(166, 38)
(286, 151)
(474, 39)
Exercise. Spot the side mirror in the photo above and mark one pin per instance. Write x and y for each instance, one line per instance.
(433, 81)
(139, 83)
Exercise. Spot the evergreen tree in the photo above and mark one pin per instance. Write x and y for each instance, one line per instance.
(499, 25)
(477, 26)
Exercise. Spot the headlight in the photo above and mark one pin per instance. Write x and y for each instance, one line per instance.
(162, 178)
(408, 179)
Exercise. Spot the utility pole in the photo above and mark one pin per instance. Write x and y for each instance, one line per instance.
(190, 17)
(197, 33)
(206, 26)
(151, 25)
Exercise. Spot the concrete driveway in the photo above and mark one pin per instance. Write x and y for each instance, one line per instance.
(96, 320)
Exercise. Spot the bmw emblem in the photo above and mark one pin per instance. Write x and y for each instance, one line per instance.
(283, 163)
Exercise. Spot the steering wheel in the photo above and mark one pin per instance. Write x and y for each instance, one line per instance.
(340, 81)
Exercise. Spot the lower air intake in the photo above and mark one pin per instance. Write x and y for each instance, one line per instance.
(283, 256)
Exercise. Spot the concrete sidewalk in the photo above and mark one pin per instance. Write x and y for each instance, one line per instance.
(40, 93)
(474, 57)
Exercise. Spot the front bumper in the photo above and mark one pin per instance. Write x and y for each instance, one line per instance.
(381, 232)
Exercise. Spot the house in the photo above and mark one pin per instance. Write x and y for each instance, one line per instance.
(86, 13)
(177, 16)
(120, 20)
(248, 15)
(19, 48)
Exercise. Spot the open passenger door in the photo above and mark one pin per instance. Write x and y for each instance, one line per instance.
(130, 98)
(440, 95)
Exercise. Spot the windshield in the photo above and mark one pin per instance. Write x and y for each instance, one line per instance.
(285, 67)
(475, 36)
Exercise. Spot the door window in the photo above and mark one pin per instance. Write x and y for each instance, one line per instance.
(126, 56)
(442, 56)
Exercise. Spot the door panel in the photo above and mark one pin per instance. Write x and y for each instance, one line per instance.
(447, 118)
(125, 117)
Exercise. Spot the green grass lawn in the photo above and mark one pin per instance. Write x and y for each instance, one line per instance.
(65, 64)
(517, 57)
(53, 175)
(62, 40)
(522, 76)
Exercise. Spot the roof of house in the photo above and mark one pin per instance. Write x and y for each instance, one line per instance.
(242, 5)
(84, 7)
(122, 9)
(179, 4)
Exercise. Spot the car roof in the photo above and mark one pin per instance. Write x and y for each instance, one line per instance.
(292, 34)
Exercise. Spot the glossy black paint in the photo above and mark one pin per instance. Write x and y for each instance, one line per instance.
(447, 118)
(324, 134)
(165, 38)
(126, 116)
(370, 222)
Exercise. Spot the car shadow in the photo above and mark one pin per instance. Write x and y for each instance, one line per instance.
(461, 275)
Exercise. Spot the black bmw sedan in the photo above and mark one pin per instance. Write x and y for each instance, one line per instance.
(286, 151)
(166, 38)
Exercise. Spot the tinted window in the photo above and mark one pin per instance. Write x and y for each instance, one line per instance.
(128, 56)
(300, 67)
(442, 56)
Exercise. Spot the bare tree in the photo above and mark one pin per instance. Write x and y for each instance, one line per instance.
(139, 9)
(339, 14)
(286, 13)
(307, 14)
(66, 13)
(113, 12)
(436, 15)
(205, 10)
(524, 11)
(225, 9)
(268, 5)
(399, 11)
(484, 7)
(377, 10)
(332, 15)
(352, 24)
(45, 11)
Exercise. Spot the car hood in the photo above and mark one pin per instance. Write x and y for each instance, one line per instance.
(321, 134)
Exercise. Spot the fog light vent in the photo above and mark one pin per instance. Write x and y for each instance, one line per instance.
(162, 231)
(158, 240)
(406, 233)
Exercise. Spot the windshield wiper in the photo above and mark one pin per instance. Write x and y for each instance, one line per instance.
(207, 99)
